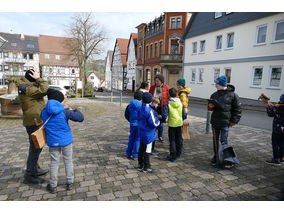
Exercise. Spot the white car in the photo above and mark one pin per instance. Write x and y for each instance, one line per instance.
(60, 88)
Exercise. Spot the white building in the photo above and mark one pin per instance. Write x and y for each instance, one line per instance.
(246, 47)
(20, 53)
(94, 79)
(131, 62)
(108, 61)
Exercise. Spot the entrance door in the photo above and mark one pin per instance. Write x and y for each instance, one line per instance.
(173, 77)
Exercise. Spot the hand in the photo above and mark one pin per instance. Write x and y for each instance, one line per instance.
(232, 124)
(35, 74)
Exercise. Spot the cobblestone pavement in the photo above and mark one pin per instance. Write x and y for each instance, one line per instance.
(103, 173)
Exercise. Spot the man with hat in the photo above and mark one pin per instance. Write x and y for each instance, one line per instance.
(32, 89)
(226, 108)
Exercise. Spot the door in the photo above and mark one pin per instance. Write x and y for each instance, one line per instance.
(173, 76)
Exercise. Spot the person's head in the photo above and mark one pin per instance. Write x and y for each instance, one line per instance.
(145, 85)
(155, 102)
(180, 83)
(221, 82)
(53, 94)
(138, 95)
(282, 99)
(28, 75)
(159, 80)
(173, 92)
(147, 98)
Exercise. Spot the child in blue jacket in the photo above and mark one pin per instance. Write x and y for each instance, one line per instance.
(59, 137)
(134, 140)
(277, 138)
(147, 124)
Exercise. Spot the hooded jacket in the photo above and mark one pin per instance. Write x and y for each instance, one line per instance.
(183, 96)
(228, 109)
(277, 112)
(133, 108)
(147, 124)
(175, 112)
(31, 98)
(58, 132)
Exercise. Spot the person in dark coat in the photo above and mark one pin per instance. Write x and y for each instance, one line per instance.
(277, 137)
(226, 108)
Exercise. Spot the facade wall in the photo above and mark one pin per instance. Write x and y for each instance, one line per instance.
(242, 59)
(108, 73)
(131, 65)
(117, 69)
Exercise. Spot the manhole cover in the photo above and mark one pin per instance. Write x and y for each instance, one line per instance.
(116, 147)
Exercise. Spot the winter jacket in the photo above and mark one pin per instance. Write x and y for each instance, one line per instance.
(183, 96)
(58, 132)
(228, 109)
(277, 112)
(31, 98)
(133, 108)
(165, 94)
(147, 124)
(175, 112)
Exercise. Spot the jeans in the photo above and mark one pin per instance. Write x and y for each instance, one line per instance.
(175, 135)
(219, 134)
(278, 145)
(33, 153)
(133, 143)
(160, 129)
(54, 164)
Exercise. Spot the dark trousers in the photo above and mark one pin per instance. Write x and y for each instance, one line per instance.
(175, 135)
(278, 145)
(160, 129)
(144, 156)
(219, 134)
(33, 153)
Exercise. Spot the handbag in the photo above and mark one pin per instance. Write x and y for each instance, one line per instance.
(39, 137)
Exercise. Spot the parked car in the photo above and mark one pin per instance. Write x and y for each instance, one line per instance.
(58, 87)
(100, 89)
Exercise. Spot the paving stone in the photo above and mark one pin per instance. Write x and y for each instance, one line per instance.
(3, 197)
(124, 193)
(106, 197)
(93, 193)
(148, 196)
(217, 195)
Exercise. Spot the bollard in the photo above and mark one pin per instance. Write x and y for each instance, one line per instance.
(111, 96)
(120, 98)
(208, 122)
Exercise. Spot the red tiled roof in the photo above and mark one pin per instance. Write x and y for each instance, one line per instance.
(123, 45)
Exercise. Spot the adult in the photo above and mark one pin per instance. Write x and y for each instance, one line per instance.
(144, 87)
(32, 89)
(160, 90)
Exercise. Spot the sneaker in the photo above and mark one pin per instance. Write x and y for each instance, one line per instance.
(33, 179)
(229, 165)
(169, 158)
(273, 162)
(213, 161)
(149, 170)
(41, 172)
(179, 157)
(130, 158)
(161, 139)
(69, 186)
(50, 189)
(140, 168)
(154, 152)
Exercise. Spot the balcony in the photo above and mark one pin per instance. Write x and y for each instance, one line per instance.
(15, 60)
(14, 73)
(171, 58)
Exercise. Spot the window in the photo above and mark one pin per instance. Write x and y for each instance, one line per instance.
(230, 40)
(148, 75)
(25, 55)
(139, 52)
(194, 47)
(200, 77)
(6, 67)
(156, 49)
(0, 67)
(217, 73)
(261, 34)
(73, 71)
(15, 68)
(161, 47)
(156, 71)
(46, 56)
(193, 73)
(228, 74)
(202, 46)
(218, 14)
(151, 50)
(25, 68)
(257, 76)
(31, 56)
(30, 46)
(140, 34)
(275, 77)
(14, 55)
(174, 46)
(279, 31)
(31, 67)
(6, 55)
(178, 22)
(57, 57)
(219, 42)
(147, 51)
(13, 44)
(173, 23)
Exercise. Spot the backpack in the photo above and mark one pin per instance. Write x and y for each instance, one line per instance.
(126, 113)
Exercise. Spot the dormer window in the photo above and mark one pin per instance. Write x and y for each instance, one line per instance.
(218, 14)
(30, 46)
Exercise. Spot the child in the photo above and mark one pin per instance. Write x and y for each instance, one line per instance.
(134, 140)
(154, 104)
(183, 93)
(175, 113)
(147, 124)
(277, 112)
(59, 137)
(226, 113)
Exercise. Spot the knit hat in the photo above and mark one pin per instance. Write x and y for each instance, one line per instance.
(222, 81)
(53, 94)
(282, 98)
(138, 95)
(181, 82)
(27, 76)
(146, 98)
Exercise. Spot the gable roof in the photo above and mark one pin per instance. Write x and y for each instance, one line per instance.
(134, 36)
(123, 44)
(205, 22)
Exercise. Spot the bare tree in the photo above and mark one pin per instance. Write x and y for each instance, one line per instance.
(87, 37)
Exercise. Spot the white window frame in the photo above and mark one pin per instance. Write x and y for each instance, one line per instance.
(226, 76)
(214, 69)
(57, 57)
(252, 77)
(46, 56)
(191, 81)
(194, 53)
(199, 72)
(218, 15)
(274, 31)
(227, 41)
(216, 43)
(269, 77)
(201, 52)
(256, 35)
(175, 17)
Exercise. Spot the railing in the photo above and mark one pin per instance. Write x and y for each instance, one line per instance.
(14, 73)
(15, 60)
(171, 58)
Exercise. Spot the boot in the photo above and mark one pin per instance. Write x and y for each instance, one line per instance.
(33, 179)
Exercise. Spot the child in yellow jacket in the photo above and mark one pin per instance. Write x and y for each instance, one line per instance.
(183, 93)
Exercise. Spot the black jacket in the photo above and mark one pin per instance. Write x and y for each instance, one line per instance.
(228, 109)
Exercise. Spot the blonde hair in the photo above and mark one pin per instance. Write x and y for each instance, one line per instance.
(155, 99)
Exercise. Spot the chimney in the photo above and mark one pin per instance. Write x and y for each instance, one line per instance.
(22, 36)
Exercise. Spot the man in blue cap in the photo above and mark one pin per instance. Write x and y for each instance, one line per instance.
(226, 108)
